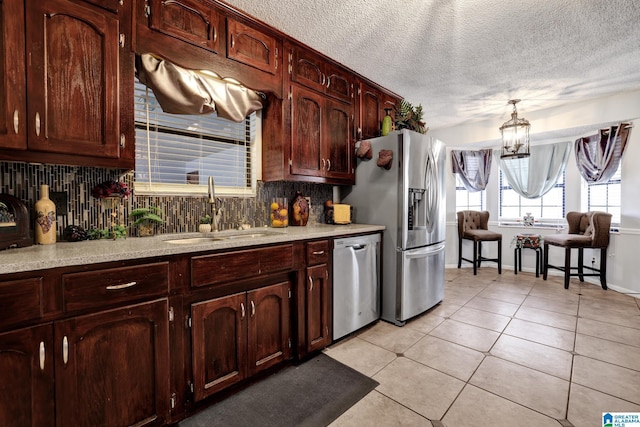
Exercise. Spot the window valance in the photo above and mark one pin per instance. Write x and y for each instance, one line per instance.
(473, 167)
(534, 176)
(182, 91)
(598, 156)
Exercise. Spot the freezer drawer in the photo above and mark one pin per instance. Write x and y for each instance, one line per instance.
(356, 283)
(421, 285)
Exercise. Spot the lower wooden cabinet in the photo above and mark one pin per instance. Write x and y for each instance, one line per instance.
(108, 369)
(112, 367)
(26, 387)
(237, 336)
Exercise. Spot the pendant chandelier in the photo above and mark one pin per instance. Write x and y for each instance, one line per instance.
(515, 136)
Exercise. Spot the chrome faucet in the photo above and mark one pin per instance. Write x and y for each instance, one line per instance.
(216, 202)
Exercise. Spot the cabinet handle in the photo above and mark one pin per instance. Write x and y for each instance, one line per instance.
(65, 349)
(121, 286)
(328, 164)
(328, 82)
(310, 283)
(242, 310)
(324, 79)
(318, 252)
(253, 309)
(16, 121)
(37, 124)
(42, 355)
(323, 163)
(233, 42)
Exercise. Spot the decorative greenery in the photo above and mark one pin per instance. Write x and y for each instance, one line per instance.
(205, 219)
(410, 117)
(149, 215)
(115, 232)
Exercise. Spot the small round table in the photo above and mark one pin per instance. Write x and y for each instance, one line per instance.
(528, 241)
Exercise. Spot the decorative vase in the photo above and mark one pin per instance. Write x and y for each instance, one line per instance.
(145, 230)
(299, 210)
(279, 214)
(204, 228)
(45, 218)
(386, 122)
(528, 220)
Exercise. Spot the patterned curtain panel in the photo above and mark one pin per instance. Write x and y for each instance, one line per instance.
(473, 167)
(598, 156)
(532, 177)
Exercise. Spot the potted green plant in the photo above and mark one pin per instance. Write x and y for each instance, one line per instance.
(205, 224)
(146, 219)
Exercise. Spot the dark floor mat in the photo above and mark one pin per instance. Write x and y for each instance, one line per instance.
(312, 394)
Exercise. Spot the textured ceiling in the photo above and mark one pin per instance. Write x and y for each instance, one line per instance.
(464, 59)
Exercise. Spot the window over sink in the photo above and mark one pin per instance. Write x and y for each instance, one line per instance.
(176, 153)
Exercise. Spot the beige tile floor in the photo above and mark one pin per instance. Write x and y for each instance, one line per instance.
(501, 350)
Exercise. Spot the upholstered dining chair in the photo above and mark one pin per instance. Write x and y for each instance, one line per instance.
(474, 226)
(586, 230)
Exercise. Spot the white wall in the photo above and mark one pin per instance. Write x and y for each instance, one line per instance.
(622, 254)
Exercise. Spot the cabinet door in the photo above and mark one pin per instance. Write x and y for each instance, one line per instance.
(307, 69)
(370, 107)
(189, 21)
(112, 368)
(269, 337)
(26, 388)
(339, 83)
(339, 148)
(306, 132)
(219, 344)
(251, 47)
(318, 305)
(73, 79)
(13, 111)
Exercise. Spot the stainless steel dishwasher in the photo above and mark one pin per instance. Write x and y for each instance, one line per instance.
(356, 283)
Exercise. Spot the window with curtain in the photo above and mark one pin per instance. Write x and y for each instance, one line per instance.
(546, 209)
(607, 196)
(468, 200)
(176, 153)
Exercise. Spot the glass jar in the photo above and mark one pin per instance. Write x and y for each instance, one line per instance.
(279, 212)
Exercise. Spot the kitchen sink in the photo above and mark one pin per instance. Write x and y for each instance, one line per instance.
(192, 240)
(224, 235)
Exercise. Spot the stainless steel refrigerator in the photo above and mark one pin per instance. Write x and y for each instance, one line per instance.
(409, 199)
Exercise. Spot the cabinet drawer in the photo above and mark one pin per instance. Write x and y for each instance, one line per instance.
(115, 285)
(317, 252)
(20, 300)
(229, 266)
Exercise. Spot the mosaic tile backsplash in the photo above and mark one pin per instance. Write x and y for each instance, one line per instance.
(70, 188)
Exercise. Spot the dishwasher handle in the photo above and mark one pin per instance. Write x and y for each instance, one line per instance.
(356, 246)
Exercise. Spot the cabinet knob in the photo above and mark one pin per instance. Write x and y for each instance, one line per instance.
(65, 349)
(42, 355)
(16, 121)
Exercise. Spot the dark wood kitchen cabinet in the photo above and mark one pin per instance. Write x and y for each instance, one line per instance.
(108, 369)
(314, 300)
(237, 336)
(73, 81)
(315, 72)
(321, 138)
(248, 45)
(13, 105)
(372, 104)
(112, 367)
(26, 388)
(190, 21)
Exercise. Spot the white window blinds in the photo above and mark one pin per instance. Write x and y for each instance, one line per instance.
(175, 154)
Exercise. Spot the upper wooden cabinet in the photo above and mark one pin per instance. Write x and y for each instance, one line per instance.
(372, 105)
(321, 138)
(72, 82)
(189, 21)
(251, 46)
(315, 72)
(13, 105)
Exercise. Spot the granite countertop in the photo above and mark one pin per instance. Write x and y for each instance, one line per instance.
(61, 254)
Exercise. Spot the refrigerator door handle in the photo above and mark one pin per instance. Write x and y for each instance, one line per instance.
(424, 252)
(431, 192)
